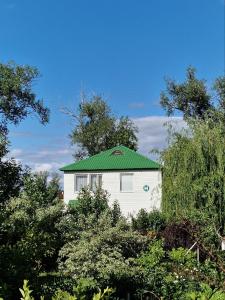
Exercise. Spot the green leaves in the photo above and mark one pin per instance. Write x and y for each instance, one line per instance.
(30, 240)
(17, 100)
(63, 295)
(26, 292)
(193, 172)
(97, 129)
(191, 97)
(106, 255)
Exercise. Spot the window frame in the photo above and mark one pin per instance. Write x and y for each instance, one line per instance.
(90, 183)
(132, 178)
(75, 181)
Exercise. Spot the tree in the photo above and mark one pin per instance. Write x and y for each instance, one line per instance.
(17, 101)
(192, 97)
(193, 171)
(97, 129)
(12, 176)
(92, 203)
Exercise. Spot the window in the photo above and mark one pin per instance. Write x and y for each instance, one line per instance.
(117, 152)
(95, 181)
(80, 182)
(126, 182)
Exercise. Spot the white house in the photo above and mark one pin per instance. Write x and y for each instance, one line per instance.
(129, 177)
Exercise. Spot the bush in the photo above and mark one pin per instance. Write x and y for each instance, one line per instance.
(147, 221)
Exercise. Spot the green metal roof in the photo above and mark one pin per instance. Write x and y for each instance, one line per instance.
(117, 158)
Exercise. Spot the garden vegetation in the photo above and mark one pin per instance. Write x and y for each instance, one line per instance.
(91, 251)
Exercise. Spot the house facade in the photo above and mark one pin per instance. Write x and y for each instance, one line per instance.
(129, 177)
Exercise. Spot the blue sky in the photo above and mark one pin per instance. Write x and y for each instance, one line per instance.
(122, 49)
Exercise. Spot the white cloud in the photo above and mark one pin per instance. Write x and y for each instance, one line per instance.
(16, 153)
(38, 160)
(153, 132)
(42, 167)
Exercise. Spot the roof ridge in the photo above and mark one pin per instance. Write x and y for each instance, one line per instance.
(138, 153)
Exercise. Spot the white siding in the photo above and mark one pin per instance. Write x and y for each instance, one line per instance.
(130, 202)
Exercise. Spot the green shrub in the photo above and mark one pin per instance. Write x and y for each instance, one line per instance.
(147, 221)
(63, 295)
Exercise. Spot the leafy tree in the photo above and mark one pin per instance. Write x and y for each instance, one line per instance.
(90, 203)
(116, 214)
(11, 173)
(12, 176)
(91, 211)
(192, 97)
(193, 172)
(97, 129)
(141, 222)
(17, 100)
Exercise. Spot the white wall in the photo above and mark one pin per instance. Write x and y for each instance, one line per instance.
(130, 202)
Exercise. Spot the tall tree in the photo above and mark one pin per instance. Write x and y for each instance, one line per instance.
(192, 97)
(97, 129)
(17, 101)
(193, 171)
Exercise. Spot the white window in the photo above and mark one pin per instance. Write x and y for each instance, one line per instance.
(80, 182)
(126, 182)
(95, 181)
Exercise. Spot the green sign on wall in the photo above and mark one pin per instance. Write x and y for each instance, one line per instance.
(146, 188)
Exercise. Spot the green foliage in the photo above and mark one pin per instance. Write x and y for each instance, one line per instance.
(168, 275)
(116, 213)
(206, 293)
(92, 202)
(147, 221)
(153, 256)
(106, 255)
(97, 129)
(193, 173)
(17, 100)
(91, 211)
(84, 288)
(74, 253)
(173, 274)
(103, 295)
(26, 292)
(63, 295)
(40, 190)
(30, 240)
(192, 97)
(12, 177)
(11, 173)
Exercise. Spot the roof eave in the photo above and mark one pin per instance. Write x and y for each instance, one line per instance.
(108, 170)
